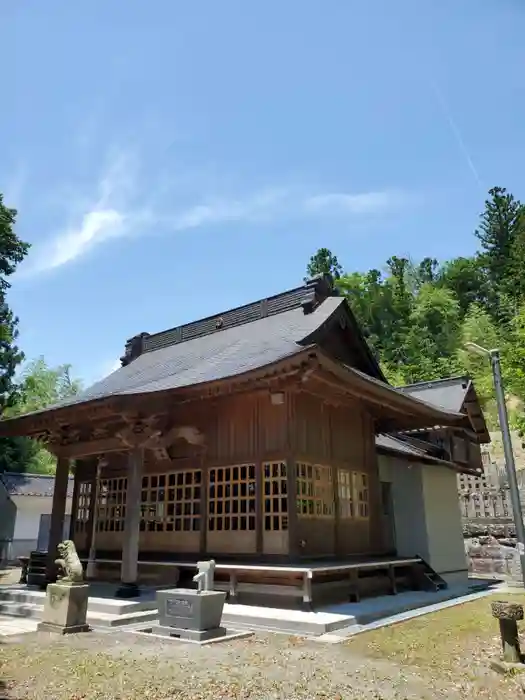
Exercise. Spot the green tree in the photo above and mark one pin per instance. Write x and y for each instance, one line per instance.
(324, 262)
(432, 337)
(502, 224)
(513, 368)
(466, 278)
(479, 327)
(12, 252)
(40, 386)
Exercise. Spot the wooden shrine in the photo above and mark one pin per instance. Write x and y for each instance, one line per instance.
(248, 437)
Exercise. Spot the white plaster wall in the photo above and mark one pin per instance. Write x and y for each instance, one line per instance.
(427, 516)
(444, 528)
(29, 511)
(408, 504)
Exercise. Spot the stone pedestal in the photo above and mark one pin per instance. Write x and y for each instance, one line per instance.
(508, 615)
(190, 614)
(65, 608)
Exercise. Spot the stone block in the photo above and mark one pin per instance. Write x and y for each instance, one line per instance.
(188, 634)
(188, 609)
(65, 608)
(506, 668)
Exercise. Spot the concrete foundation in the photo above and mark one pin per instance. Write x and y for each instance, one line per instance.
(191, 635)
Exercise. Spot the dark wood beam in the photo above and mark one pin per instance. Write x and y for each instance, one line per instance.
(88, 448)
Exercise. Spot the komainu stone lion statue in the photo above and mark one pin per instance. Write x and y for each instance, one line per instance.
(68, 563)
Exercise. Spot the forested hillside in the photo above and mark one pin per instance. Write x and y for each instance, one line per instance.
(418, 315)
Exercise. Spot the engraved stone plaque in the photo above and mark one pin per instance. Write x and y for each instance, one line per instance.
(179, 607)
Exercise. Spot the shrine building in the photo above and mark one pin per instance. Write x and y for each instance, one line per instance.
(265, 437)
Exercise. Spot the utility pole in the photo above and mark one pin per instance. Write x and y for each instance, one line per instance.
(510, 465)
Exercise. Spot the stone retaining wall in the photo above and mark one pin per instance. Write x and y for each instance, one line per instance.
(492, 557)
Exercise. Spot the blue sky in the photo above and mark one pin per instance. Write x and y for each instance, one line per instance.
(170, 159)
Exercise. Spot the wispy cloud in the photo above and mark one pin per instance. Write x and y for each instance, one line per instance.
(358, 204)
(119, 209)
(106, 216)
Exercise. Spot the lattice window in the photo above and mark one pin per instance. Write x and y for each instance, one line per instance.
(111, 509)
(361, 494)
(459, 449)
(231, 498)
(275, 496)
(171, 502)
(315, 491)
(346, 496)
(83, 506)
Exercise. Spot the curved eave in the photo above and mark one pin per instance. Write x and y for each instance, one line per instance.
(85, 411)
(405, 411)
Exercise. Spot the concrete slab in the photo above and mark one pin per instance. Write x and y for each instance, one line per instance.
(18, 601)
(228, 637)
(339, 620)
(284, 620)
(10, 627)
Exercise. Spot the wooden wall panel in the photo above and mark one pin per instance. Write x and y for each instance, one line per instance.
(316, 537)
(340, 437)
(273, 427)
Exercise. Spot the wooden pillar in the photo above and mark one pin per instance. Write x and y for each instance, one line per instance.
(92, 556)
(259, 507)
(57, 515)
(130, 550)
(337, 511)
(92, 503)
(74, 503)
(294, 548)
(205, 486)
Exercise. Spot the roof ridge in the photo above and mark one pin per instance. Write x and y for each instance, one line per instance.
(431, 382)
(309, 295)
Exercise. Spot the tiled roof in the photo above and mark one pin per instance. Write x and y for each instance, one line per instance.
(220, 355)
(446, 393)
(453, 394)
(32, 484)
(387, 442)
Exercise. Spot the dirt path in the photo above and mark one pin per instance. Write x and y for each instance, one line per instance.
(124, 666)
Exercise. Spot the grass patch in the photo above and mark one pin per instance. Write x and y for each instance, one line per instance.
(445, 641)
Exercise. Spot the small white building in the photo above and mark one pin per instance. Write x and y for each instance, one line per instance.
(25, 513)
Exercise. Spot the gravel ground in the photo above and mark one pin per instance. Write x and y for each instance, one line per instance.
(124, 666)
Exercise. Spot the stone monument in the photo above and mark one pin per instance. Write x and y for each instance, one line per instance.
(194, 615)
(65, 607)
(508, 615)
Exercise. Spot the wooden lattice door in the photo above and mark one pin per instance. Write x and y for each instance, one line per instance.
(232, 510)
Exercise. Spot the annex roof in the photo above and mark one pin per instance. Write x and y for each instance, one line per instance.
(456, 394)
(392, 445)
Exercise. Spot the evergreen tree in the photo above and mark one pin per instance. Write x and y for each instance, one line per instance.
(12, 252)
(14, 452)
(324, 262)
(502, 225)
